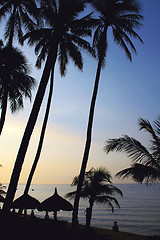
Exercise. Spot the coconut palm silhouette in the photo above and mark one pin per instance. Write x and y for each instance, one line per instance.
(146, 164)
(123, 18)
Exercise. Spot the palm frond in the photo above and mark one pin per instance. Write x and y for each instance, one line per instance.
(63, 59)
(157, 126)
(109, 189)
(36, 35)
(140, 173)
(107, 200)
(118, 38)
(126, 38)
(28, 23)
(6, 8)
(83, 26)
(97, 34)
(128, 6)
(135, 150)
(70, 195)
(82, 43)
(7, 29)
(134, 17)
(41, 45)
(146, 125)
(75, 54)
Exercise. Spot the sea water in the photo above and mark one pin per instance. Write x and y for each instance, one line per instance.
(139, 208)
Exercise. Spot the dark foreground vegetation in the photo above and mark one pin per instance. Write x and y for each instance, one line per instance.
(15, 226)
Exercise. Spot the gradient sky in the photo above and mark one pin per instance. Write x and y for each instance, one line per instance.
(127, 91)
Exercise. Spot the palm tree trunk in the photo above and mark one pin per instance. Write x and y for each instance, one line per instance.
(41, 137)
(89, 216)
(50, 63)
(4, 110)
(87, 147)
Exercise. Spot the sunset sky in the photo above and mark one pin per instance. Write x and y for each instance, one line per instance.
(127, 91)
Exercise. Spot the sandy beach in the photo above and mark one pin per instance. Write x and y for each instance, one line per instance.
(19, 227)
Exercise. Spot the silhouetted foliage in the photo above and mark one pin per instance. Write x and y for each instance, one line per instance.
(15, 81)
(146, 165)
(20, 15)
(97, 188)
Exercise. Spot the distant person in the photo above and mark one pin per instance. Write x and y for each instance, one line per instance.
(87, 212)
(115, 227)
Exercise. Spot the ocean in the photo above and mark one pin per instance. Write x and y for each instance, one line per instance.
(139, 212)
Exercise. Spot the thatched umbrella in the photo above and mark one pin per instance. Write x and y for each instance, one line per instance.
(55, 203)
(25, 202)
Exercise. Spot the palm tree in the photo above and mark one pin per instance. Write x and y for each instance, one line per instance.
(15, 81)
(122, 17)
(97, 188)
(146, 165)
(61, 38)
(19, 14)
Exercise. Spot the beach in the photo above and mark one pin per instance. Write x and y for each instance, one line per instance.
(139, 212)
(20, 227)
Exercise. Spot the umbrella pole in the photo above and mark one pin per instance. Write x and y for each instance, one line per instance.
(20, 211)
(46, 216)
(55, 215)
(25, 212)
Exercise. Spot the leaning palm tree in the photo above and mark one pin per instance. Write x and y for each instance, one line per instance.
(15, 81)
(122, 17)
(20, 15)
(97, 188)
(62, 37)
(146, 165)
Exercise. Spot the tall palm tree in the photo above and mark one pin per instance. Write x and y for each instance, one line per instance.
(19, 14)
(97, 187)
(146, 165)
(122, 17)
(15, 81)
(61, 38)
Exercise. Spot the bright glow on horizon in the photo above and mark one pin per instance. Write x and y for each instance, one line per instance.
(60, 159)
